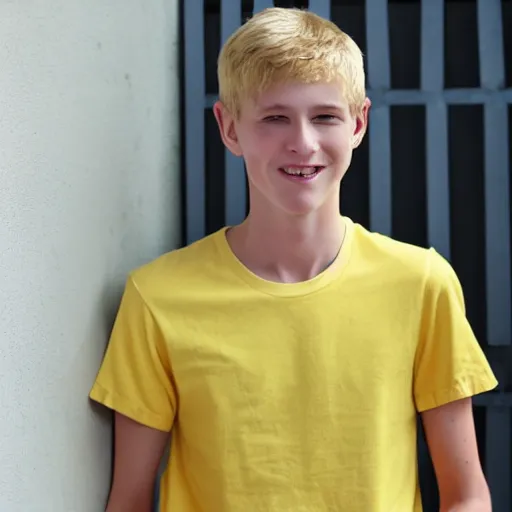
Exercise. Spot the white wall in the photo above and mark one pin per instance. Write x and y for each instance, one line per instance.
(89, 188)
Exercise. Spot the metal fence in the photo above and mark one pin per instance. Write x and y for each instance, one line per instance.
(438, 148)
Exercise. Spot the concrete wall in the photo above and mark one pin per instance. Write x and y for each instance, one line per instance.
(89, 188)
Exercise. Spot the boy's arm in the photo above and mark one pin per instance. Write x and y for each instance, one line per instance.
(451, 439)
(138, 451)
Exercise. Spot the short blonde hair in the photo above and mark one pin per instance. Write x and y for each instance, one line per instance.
(288, 44)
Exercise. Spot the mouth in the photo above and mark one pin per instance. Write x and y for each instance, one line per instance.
(302, 173)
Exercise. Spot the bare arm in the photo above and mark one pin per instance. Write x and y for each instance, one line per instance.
(451, 439)
(138, 451)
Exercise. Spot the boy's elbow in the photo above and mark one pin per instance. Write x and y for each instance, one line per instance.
(130, 501)
(479, 503)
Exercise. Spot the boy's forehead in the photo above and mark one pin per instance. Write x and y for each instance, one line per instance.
(299, 95)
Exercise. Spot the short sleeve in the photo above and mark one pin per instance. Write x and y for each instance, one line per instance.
(135, 376)
(449, 363)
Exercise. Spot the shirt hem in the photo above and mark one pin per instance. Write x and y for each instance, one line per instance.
(464, 388)
(127, 408)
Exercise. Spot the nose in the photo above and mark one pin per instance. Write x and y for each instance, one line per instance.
(303, 139)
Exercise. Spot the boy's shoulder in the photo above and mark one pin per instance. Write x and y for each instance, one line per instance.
(185, 266)
(387, 256)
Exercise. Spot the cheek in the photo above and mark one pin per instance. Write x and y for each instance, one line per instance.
(342, 140)
(339, 147)
(258, 145)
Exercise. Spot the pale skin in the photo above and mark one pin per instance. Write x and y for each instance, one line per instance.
(138, 451)
(292, 233)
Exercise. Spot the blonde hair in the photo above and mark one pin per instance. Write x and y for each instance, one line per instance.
(287, 44)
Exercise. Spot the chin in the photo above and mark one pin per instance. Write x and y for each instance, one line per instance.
(300, 208)
(308, 203)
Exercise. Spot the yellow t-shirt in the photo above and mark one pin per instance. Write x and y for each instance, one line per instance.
(291, 397)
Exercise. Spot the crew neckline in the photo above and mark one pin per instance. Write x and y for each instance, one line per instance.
(326, 277)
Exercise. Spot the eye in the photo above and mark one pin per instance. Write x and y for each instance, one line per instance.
(273, 119)
(327, 118)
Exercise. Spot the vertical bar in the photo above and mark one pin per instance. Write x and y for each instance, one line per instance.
(380, 171)
(230, 20)
(492, 76)
(379, 127)
(438, 187)
(490, 44)
(236, 197)
(259, 5)
(427, 478)
(194, 110)
(432, 80)
(377, 39)
(432, 45)
(321, 7)
(497, 224)
(497, 456)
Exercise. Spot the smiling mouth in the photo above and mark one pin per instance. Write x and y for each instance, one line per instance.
(302, 172)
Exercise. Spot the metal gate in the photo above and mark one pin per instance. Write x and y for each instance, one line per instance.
(438, 146)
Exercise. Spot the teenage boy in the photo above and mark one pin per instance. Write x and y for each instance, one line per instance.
(290, 354)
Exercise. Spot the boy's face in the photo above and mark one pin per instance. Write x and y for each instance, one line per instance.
(297, 141)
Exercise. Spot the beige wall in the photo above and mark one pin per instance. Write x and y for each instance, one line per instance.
(89, 188)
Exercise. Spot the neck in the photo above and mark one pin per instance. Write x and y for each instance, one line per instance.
(286, 248)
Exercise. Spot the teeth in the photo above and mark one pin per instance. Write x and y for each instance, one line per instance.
(303, 171)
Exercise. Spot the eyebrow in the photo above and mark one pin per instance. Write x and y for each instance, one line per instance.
(280, 106)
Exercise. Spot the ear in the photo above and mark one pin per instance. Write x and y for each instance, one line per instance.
(227, 130)
(361, 123)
